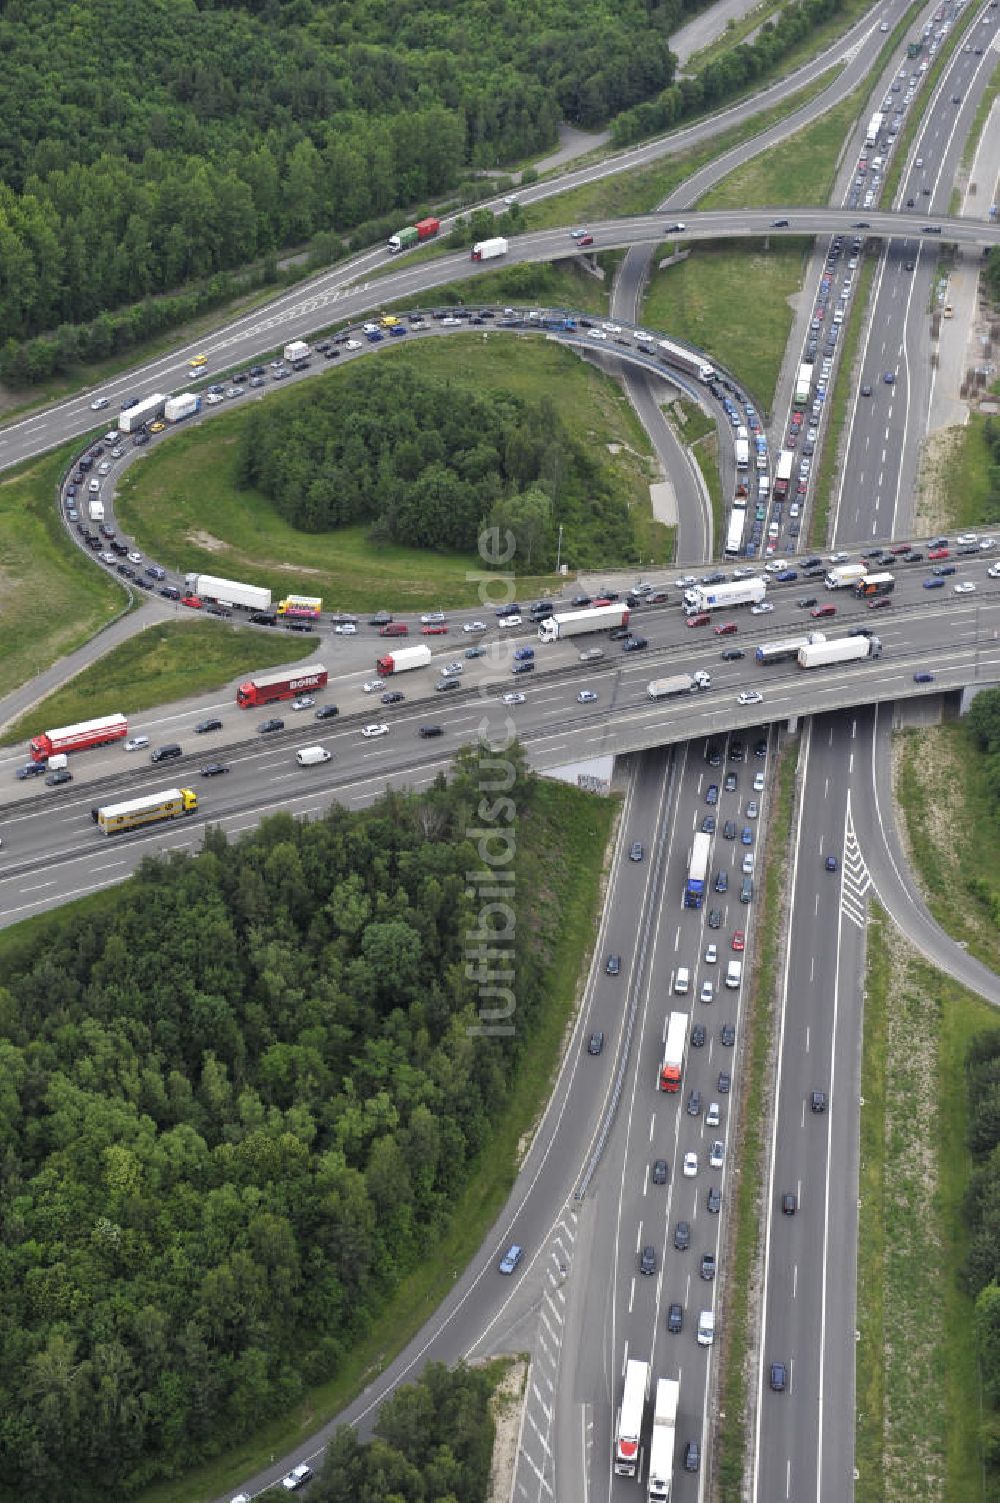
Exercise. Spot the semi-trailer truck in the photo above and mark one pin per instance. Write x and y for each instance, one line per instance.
(184, 404)
(680, 683)
(488, 250)
(402, 660)
(413, 234)
(661, 1449)
(843, 575)
(265, 688)
(575, 623)
(110, 819)
(79, 737)
(131, 419)
(724, 596)
(630, 1418)
(230, 591)
(694, 887)
(842, 650)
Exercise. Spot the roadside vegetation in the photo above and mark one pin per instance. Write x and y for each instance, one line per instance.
(185, 505)
(170, 660)
(699, 432)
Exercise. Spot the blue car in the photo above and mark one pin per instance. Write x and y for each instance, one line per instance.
(374, 337)
(397, 331)
(747, 835)
(934, 584)
(923, 678)
(511, 1258)
(523, 654)
(31, 770)
(783, 576)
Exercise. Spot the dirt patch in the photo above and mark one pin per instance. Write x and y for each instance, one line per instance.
(208, 542)
(934, 507)
(507, 1405)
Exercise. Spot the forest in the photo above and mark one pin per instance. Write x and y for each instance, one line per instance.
(428, 462)
(135, 158)
(982, 1213)
(237, 1103)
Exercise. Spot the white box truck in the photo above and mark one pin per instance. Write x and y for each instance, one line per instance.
(679, 683)
(96, 509)
(575, 623)
(842, 650)
(630, 1418)
(488, 250)
(843, 575)
(661, 1450)
(297, 350)
(131, 419)
(724, 596)
(184, 404)
(209, 587)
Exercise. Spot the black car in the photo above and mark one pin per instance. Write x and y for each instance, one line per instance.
(698, 1036)
(647, 1259)
(722, 881)
(208, 725)
(299, 626)
(692, 1455)
(263, 618)
(715, 918)
(729, 830)
(213, 769)
(61, 775)
(614, 965)
(271, 725)
(596, 1043)
(713, 755)
(140, 439)
(170, 592)
(30, 770)
(380, 618)
(326, 712)
(443, 685)
(817, 1101)
(579, 601)
(789, 1203)
(714, 1200)
(218, 610)
(675, 1319)
(737, 752)
(733, 654)
(661, 1171)
(394, 697)
(760, 748)
(694, 1104)
(619, 634)
(727, 1033)
(725, 1082)
(682, 1236)
(806, 602)
(634, 644)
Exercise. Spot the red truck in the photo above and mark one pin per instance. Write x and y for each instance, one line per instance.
(265, 688)
(78, 737)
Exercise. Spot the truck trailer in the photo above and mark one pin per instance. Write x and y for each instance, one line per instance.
(131, 419)
(110, 819)
(229, 591)
(79, 737)
(844, 575)
(575, 623)
(783, 473)
(874, 127)
(630, 1418)
(488, 250)
(674, 1052)
(300, 607)
(265, 688)
(742, 453)
(672, 353)
(661, 1449)
(694, 887)
(297, 350)
(402, 660)
(184, 404)
(841, 650)
(724, 596)
(679, 683)
(413, 234)
(803, 384)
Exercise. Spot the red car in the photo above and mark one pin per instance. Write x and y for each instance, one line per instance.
(602, 600)
(900, 548)
(739, 941)
(702, 618)
(585, 240)
(937, 553)
(728, 629)
(823, 610)
(191, 600)
(882, 604)
(434, 631)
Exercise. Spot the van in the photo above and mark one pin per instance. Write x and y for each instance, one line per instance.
(734, 973)
(56, 762)
(394, 629)
(682, 981)
(706, 1328)
(746, 890)
(165, 753)
(309, 756)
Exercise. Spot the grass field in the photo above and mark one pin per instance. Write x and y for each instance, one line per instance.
(568, 841)
(182, 503)
(169, 661)
(52, 598)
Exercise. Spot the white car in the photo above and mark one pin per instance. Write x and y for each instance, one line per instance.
(711, 954)
(707, 991)
(762, 608)
(303, 702)
(994, 571)
(296, 1478)
(774, 564)
(713, 1116)
(214, 398)
(512, 699)
(506, 622)
(136, 743)
(750, 697)
(112, 436)
(716, 1154)
(690, 1165)
(967, 537)
(758, 782)
(612, 328)
(586, 697)
(747, 865)
(372, 685)
(345, 629)
(642, 334)
(433, 618)
(371, 328)
(597, 334)
(475, 626)
(368, 731)
(107, 558)
(99, 404)
(450, 322)
(743, 573)
(117, 452)
(353, 344)
(965, 588)
(452, 670)
(685, 582)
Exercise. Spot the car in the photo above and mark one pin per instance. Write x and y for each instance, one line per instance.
(296, 1478)
(511, 1258)
(725, 1082)
(213, 769)
(345, 629)
(675, 229)
(729, 830)
(713, 1200)
(713, 1115)
(715, 918)
(613, 965)
(690, 1164)
(752, 809)
(694, 1104)
(889, 378)
(99, 404)
(509, 621)
(746, 836)
(647, 1259)
(635, 851)
(760, 749)
(274, 724)
(730, 783)
(779, 224)
(789, 1203)
(371, 731)
(994, 571)
(136, 743)
(821, 612)
(699, 618)
(712, 793)
(474, 652)
(512, 699)
(923, 678)
(762, 608)
(711, 954)
(212, 724)
(60, 776)
(750, 697)
(707, 993)
(588, 697)
(326, 712)
(965, 587)
(727, 1035)
(806, 602)
(445, 684)
(577, 234)
(433, 631)
(817, 1101)
(732, 654)
(739, 942)
(727, 629)
(707, 1269)
(713, 754)
(675, 1314)
(778, 1378)
(191, 601)
(596, 1042)
(692, 1451)
(938, 550)
(393, 697)
(721, 881)
(634, 644)
(372, 685)
(475, 626)
(433, 618)
(831, 863)
(933, 584)
(661, 1171)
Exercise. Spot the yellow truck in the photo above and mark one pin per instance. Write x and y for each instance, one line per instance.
(134, 812)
